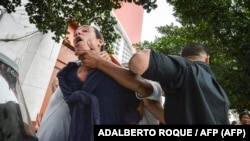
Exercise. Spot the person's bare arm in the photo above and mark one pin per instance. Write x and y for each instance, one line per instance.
(155, 108)
(123, 76)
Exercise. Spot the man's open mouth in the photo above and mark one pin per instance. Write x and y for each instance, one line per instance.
(78, 39)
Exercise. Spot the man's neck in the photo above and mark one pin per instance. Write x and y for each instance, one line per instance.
(196, 58)
(82, 72)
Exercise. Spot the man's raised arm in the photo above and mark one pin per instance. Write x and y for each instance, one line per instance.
(123, 76)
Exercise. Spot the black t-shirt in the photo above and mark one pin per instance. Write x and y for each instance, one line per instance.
(193, 96)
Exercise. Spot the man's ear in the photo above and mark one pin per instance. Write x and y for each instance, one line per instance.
(100, 43)
(207, 59)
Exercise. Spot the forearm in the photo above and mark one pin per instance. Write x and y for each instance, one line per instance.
(155, 108)
(126, 78)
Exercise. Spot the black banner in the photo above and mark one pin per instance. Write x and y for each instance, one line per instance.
(173, 132)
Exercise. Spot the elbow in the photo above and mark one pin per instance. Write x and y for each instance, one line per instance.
(139, 62)
(134, 67)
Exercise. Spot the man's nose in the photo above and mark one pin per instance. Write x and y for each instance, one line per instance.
(77, 33)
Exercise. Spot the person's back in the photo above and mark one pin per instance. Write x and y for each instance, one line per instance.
(195, 94)
(192, 92)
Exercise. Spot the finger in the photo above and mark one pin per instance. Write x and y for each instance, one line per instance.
(107, 58)
(89, 45)
(105, 55)
(104, 52)
(78, 53)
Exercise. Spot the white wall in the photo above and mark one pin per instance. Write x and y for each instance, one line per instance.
(35, 54)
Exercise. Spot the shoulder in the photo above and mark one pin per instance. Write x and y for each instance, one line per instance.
(141, 55)
(139, 61)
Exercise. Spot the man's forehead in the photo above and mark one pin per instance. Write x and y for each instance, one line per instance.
(84, 27)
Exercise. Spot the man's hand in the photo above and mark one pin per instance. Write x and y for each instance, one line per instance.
(105, 56)
(92, 58)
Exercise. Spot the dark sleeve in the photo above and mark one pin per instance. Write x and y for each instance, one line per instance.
(163, 67)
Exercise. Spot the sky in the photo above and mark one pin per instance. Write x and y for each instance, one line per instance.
(160, 16)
